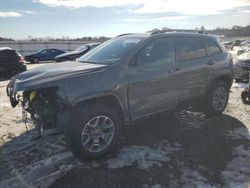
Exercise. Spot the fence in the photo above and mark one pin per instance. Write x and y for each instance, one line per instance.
(29, 47)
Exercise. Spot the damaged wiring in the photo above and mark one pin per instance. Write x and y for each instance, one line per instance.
(42, 107)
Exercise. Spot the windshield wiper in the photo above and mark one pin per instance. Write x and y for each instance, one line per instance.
(91, 62)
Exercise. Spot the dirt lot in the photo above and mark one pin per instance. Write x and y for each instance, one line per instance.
(184, 150)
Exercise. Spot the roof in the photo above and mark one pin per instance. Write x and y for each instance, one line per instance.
(6, 49)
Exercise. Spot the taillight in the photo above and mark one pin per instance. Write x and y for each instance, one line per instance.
(20, 59)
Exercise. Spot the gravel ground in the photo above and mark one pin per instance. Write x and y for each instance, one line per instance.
(184, 150)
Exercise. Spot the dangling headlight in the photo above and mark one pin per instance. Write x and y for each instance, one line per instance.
(33, 94)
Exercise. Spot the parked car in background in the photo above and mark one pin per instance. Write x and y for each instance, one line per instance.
(43, 55)
(246, 46)
(73, 55)
(11, 62)
(228, 45)
(125, 79)
(241, 67)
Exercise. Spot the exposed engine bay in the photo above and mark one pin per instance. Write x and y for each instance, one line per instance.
(40, 105)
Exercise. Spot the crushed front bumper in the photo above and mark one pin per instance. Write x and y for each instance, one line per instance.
(11, 93)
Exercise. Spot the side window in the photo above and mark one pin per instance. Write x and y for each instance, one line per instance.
(157, 51)
(55, 51)
(190, 48)
(3, 55)
(212, 47)
(7, 55)
(44, 52)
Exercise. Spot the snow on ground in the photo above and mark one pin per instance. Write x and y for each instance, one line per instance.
(37, 162)
(240, 85)
(239, 133)
(10, 119)
(144, 156)
(191, 178)
(40, 174)
(153, 186)
(191, 119)
(237, 173)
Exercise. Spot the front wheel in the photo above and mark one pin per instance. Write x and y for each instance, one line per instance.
(93, 131)
(217, 98)
(35, 60)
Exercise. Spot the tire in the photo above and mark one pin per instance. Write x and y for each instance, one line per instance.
(217, 98)
(85, 131)
(245, 96)
(12, 71)
(35, 60)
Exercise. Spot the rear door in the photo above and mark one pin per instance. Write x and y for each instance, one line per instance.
(193, 66)
(215, 57)
(151, 79)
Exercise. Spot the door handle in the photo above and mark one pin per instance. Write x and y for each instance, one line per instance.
(210, 62)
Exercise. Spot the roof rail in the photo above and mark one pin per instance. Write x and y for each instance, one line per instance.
(125, 34)
(178, 30)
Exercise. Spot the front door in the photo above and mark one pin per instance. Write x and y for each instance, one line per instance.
(151, 78)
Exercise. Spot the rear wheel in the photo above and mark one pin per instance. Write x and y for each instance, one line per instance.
(93, 131)
(12, 71)
(35, 60)
(217, 98)
(245, 96)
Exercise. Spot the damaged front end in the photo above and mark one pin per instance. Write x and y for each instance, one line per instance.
(40, 105)
(46, 95)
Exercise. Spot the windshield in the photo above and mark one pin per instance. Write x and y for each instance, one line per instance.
(81, 48)
(111, 51)
(39, 51)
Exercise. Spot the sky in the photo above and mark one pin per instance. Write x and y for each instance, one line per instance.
(78, 18)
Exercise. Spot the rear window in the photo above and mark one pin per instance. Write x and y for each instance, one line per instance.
(190, 48)
(211, 47)
(5, 54)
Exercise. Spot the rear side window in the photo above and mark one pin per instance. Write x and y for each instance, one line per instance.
(7, 55)
(45, 51)
(211, 47)
(190, 48)
(3, 55)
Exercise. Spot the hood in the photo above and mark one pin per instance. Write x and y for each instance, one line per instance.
(72, 53)
(52, 72)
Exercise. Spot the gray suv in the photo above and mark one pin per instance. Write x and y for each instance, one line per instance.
(127, 78)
